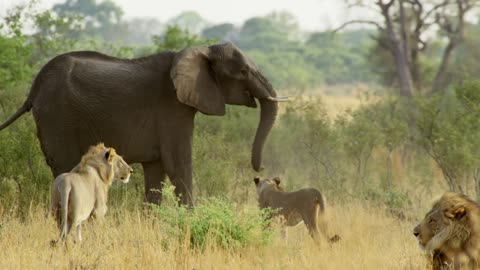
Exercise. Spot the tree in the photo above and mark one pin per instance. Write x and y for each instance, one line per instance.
(219, 31)
(269, 32)
(140, 30)
(189, 20)
(402, 34)
(341, 58)
(15, 52)
(99, 18)
(175, 38)
(449, 128)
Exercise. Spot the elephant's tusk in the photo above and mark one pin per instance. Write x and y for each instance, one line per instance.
(278, 99)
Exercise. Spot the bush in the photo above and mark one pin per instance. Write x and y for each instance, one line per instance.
(213, 221)
(449, 128)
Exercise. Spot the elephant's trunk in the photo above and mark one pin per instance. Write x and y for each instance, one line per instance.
(267, 119)
(268, 114)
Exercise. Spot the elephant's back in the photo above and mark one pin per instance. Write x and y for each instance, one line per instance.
(89, 76)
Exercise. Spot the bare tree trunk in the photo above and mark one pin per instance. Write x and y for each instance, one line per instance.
(441, 80)
(403, 71)
(455, 33)
(399, 54)
(403, 34)
(417, 44)
(452, 181)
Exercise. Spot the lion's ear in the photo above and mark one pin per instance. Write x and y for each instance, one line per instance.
(256, 180)
(456, 212)
(277, 180)
(109, 155)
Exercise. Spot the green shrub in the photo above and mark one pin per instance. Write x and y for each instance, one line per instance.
(449, 128)
(213, 220)
(397, 200)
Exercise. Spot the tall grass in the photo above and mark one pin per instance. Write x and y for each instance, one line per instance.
(371, 239)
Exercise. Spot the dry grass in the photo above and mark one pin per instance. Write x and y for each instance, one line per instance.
(370, 240)
(337, 99)
(336, 105)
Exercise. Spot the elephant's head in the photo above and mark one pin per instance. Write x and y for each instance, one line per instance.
(207, 78)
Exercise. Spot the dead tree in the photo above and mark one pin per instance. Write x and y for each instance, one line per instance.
(402, 33)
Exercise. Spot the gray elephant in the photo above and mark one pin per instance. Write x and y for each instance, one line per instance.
(144, 108)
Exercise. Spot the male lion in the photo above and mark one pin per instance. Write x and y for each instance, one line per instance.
(82, 193)
(302, 205)
(451, 232)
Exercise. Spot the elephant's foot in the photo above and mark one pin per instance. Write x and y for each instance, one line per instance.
(153, 196)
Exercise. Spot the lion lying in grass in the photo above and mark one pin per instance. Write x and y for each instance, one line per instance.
(82, 193)
(294, 207)
(450, 232)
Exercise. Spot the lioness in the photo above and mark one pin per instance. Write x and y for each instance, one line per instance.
(302, 205)
(451, 232)
(82, 193)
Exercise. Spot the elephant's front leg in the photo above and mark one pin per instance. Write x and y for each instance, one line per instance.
(184, 187)
(179, 170)
(154, 178)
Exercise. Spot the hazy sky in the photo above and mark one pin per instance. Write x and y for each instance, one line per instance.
(311, 14)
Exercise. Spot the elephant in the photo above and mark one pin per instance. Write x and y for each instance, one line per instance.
(144, 107)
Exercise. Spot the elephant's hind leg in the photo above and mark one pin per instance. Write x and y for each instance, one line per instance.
(154, 179)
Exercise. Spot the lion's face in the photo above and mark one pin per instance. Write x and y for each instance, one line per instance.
(432, 224)
(122, 169)
(445, 222)
(267, 184)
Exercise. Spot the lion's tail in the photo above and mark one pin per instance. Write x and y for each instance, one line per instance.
(64, 211)
(321, 201)
(319, 215)
(322, 224)
(55, 202)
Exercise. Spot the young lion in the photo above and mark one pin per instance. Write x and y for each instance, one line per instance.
(451, 232)
(82, 193)
(302, 205)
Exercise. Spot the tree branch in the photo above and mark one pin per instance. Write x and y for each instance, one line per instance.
(361, 5)
(358, 22)
(435, 8)
(384, 5)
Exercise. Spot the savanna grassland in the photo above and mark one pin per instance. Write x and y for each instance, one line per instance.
(375, 223)
(379, 157)
(371, 239)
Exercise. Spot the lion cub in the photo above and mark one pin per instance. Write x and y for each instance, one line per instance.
(82, 193)
(301, 205)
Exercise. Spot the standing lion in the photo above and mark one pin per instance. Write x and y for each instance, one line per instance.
(294, 207)
(82, 193)
(450, 232)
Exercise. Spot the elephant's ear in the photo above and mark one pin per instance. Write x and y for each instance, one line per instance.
(193, 79)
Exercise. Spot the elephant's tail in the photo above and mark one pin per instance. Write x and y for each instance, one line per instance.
(27, 106)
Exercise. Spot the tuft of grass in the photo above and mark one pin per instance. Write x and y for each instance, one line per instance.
(214, 221)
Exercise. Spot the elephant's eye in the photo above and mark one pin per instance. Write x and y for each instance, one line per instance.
(244, 71)
(431, 221)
